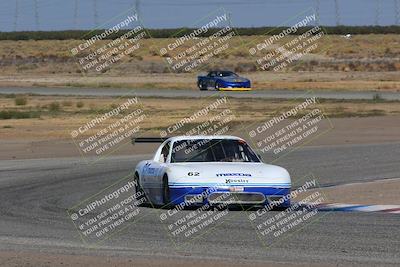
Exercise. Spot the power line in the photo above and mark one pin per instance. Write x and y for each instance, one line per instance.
(377, 13)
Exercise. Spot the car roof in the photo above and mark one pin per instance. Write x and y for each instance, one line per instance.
(221, 71)
(195, 137)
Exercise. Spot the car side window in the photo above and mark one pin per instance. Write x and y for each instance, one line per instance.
(212, 74)
(164, 152)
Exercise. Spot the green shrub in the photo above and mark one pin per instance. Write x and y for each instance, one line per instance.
(80, 104)
(9, 95)
(20, 100)
(66, 103)
(377, 97)
(54, 106)
(13, 114)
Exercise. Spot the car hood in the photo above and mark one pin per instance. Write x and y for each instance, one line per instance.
(228, 174)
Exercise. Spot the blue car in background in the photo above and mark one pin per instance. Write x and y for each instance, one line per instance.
(223, 81)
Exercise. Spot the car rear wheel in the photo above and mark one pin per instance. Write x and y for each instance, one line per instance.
(217, 86)
(201, 86)
(165, 188)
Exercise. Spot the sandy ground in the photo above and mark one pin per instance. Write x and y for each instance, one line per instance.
(29, 141)
(381, 192)
(334, 80)
(48, 259)
(361, 131)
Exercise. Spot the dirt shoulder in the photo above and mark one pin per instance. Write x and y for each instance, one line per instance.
(51, 259)
(313, 80)
(41, 126)
(380, 192)
(48, 138)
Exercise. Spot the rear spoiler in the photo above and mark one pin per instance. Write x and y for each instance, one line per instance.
(148, 140)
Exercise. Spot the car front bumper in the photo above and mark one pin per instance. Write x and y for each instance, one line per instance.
(235, 86)
(198, 196)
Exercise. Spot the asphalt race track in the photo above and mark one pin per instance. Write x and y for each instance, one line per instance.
(173, 93)
(35, 194)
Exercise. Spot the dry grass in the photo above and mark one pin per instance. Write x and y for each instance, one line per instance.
(59, 122)
(359, 46)
(334, 53)
(364, 62)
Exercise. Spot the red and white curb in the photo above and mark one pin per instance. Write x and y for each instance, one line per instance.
(395, 209)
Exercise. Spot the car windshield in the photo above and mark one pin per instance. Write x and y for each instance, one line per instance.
(227, 74)
(212, 150)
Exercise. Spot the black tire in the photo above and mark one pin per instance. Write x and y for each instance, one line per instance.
(201, 86)
(138, 188)
(217, 86)
(166, 196)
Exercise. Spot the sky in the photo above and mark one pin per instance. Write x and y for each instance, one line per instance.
(19, 15)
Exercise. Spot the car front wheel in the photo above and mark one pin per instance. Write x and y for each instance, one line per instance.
(166, 196)
(139, 192)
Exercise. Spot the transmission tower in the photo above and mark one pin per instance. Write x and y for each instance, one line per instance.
(96, 14)
(36, 15)
(317, 4)
(137, 7)
(230, 19)
(16, 15)
(337, 13)
(377, 11)
(397, 12)
(76, 14)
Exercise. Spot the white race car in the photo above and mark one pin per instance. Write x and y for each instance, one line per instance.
(199, 170)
